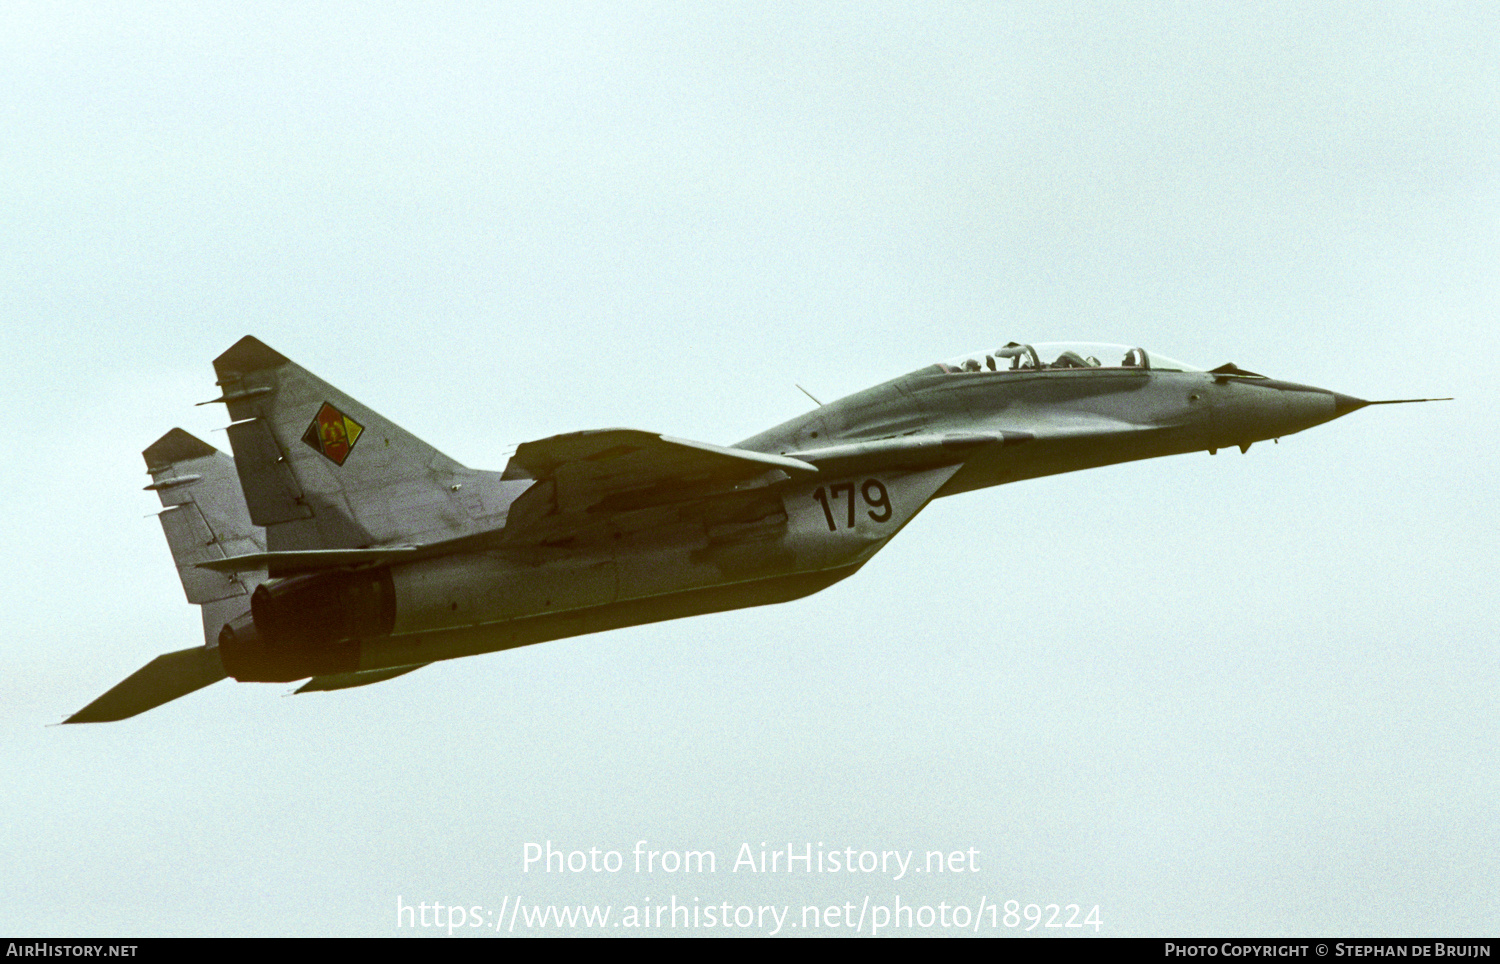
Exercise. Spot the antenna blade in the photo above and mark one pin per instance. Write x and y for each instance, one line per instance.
(808, 394)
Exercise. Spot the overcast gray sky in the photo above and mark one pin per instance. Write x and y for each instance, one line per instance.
(1242, 694)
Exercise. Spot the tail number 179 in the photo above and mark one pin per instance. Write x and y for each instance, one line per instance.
(873, 491)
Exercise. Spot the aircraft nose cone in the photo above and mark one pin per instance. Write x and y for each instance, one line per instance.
(1344, 404)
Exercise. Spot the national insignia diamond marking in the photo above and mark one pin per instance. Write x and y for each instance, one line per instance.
(333, 434)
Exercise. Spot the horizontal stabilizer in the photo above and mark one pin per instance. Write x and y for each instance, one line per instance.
(307, 560)
(160, 681)
(344, 681)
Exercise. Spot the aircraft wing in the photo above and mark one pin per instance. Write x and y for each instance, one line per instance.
(584, 478)
(624, 458)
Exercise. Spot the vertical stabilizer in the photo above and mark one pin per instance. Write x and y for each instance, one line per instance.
(203, 516)
(204, 519)
(322, 471)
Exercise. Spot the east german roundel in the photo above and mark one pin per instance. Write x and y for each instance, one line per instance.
(333, 434)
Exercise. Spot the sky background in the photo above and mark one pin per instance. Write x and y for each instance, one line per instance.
(1242, 695)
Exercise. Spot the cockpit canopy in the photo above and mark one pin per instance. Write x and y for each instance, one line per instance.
(1063, 355)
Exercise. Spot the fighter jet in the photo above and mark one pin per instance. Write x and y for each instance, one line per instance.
(336, 547)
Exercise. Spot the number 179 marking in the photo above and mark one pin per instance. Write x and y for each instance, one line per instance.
(875, 496)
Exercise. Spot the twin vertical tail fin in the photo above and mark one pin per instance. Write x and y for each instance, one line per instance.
(204, 519)
(313, 469)
(321, 471)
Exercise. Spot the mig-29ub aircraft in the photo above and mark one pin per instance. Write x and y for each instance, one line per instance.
(337, 546)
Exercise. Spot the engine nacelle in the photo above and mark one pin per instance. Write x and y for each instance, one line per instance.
(308, 625)
(316, 610)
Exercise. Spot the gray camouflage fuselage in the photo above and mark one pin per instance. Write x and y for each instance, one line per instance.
(355, 552)
(1077, 418)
